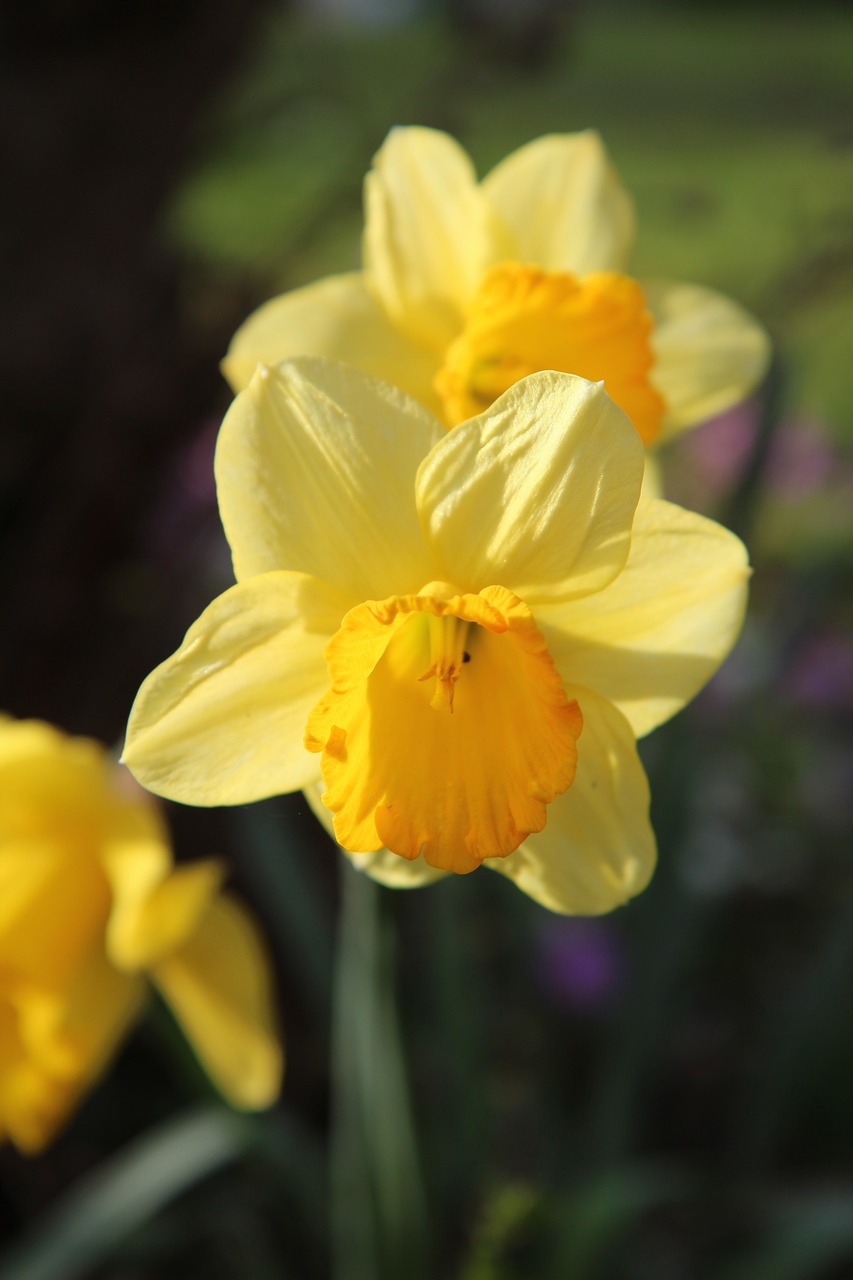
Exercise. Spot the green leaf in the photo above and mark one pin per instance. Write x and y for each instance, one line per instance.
(124, 1193)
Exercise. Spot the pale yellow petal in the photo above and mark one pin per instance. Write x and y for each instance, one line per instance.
(221, 721)
(427, 233)
(338, 318)
(537, 493)
(315, 470)
(652, 478)
(381, 865)
(219, 986)
(710, 352)
(652, 638)
(598, 848)
(564, 204)
(150, 921)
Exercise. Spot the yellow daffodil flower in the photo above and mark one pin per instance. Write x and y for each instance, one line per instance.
(449, 640)
(468, 287)
(91, 906)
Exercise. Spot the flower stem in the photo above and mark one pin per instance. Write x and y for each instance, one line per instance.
(377, 1201)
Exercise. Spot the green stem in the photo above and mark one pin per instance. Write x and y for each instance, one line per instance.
(378, 1216)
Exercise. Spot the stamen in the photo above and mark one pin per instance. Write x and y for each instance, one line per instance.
(448, 636)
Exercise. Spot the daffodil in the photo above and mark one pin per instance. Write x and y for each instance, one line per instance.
(449, 640)
(468, 287)
(91, 907)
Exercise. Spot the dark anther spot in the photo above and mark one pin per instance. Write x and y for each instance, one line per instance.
(466, 657)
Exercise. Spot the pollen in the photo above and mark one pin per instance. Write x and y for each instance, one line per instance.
(525, 319)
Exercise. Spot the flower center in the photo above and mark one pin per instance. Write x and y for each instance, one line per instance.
(525, 319)
(447, 637)
(446, 731)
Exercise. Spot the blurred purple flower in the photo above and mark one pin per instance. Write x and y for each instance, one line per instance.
(802, 459)
(820, 677)
(722, 445)
(708, 462)
(186, 508)
(580, 962)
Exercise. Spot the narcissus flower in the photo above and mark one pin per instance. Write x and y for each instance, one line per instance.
(468, 287)
(448, 639)
(91, 906)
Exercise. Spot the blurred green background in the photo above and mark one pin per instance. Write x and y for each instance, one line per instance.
(475, 1089)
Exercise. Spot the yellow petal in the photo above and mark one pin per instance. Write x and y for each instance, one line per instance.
(339, 318)
(100, 1005)
(149, 921)
(427, 233)
(652, 638)
(446, 731)
(537, 493)
(53, 894)
(61, 898)
(710, 352)
(34, 1101)
(315, 470)
(598, 849)
(220, 990)
(48, 780)
(652, 478)
(221, 721)
(564, 204)
(381, 865)
(54, 1045)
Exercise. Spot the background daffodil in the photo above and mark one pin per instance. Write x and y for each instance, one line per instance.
(92, 906)
(454, 638)
(468, 287)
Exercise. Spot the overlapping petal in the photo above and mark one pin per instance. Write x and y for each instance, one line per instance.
(218, 986)
(220, 722)
(710, 352)
(564, 204)
(310, 453)
(427, 234)
(151, 919)
(537, 493)
(652, 638)
(44, 775)
(598, 849)
(336, 317)
(57, 896)
(33, 1099)
(96, 1011)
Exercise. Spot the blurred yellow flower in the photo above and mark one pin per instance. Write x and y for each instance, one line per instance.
(467, 287)
(461, 632)
(91, 906)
